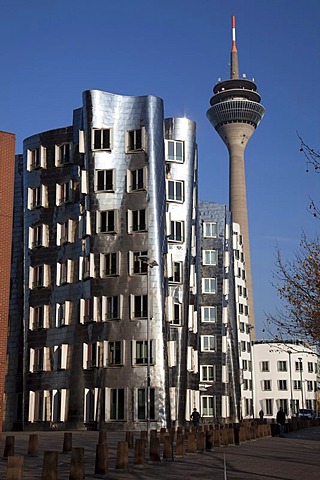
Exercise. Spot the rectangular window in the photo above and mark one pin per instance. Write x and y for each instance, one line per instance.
(115, 353)
(207, 406)
(90, 402)
(299, 366)
(244, 364)
(209, 285)
(139, 306)
(117, 404)
(209, 257)
(106, 221)
(37, 158)
(174, 311)
(269, 405)
(39, 359)
(142, 404)
(176, 273)
(109, 264)
(65, 272)
(309, 386)
(310, 367)
(137, 221)
(92, 355)
(86, 267)
(243, 346)
(63, 154)
(101, 139)
(86, 310)
(177, 231)
(207, 373)
(65, 232)
(112, 308)
(63, 313)
(137, 264)
(37, 197)
(135, 140)
(104, 180)
(64, 192)
(264, 366)
(39, 276)
(210, 229)
(140, 352)
(209, 314)
(207, 343)
(174, 151)
(282, 366)
(136, 179)
(39, 317)
(39, 236)
(175, 190)
(282, 385)
(297, 384)
(60, 356)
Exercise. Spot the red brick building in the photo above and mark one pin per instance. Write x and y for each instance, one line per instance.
(7, 160)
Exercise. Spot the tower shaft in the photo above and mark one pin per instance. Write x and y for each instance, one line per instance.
(235, 114)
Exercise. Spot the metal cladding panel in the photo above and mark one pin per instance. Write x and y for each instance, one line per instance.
(122, 114)
(182, 129)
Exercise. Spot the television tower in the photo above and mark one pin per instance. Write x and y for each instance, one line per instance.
(235, 113)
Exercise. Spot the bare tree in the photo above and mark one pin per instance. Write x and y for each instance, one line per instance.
(298, 286)
(312, 161)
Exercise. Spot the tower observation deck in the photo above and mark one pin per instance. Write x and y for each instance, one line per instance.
(235, 113)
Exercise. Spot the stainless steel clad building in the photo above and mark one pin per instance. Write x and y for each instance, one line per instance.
(110, 323)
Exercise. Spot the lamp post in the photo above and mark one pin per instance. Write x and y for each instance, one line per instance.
(150, 264)
(300, 368)
(290, 380)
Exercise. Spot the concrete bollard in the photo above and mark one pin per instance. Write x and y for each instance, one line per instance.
(144, 436)
(9, 446)
(33, 444)
(224, 436)
(139, 453)
(209, 440)
(216, 438)
(77, 464)
(122, 456)
(15, 467)
(167, 448)
(248, 433)
(101, 463)
(179, 431)
(67, 442)
(200, 442)
(103, 437)
(180, 445)
(153, 433)
(50, 466)
(172, 432)
(163, 432)
(192, 448)
(231, 440)
(154, 454)
(129, 439)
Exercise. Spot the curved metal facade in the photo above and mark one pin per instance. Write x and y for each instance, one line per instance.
(96, 207)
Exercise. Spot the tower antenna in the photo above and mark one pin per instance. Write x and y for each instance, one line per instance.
(234, 68)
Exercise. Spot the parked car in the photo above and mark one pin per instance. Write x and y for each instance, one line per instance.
(307, 413)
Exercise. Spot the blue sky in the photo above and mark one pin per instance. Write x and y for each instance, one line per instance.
(51, 51)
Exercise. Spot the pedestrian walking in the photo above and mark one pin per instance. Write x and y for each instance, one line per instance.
(281, 420)
(195, 418)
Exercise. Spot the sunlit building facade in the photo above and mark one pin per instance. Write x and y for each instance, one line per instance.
(109, 289)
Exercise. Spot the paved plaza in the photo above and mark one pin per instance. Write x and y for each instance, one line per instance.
(295, 457)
